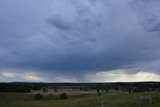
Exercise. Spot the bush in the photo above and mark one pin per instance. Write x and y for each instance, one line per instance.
(99, 94)
(55, 89)
(51, 97)
(38, 96)
(63, 96)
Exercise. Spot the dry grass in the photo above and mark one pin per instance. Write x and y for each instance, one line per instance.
(145, 99)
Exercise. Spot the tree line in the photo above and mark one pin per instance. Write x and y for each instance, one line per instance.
(123, 86)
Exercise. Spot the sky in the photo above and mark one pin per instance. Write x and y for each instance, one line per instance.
(79, 40)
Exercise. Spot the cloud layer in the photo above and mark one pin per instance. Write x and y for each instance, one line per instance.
(79, 37)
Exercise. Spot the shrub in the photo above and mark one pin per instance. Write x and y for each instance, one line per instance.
(55, 89)
(63, 96)
(50, 97)
(38, 96)
(99, 94)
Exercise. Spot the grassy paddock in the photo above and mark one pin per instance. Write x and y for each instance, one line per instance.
(145, 99)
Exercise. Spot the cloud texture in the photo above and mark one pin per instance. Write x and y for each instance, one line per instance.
(79, 37)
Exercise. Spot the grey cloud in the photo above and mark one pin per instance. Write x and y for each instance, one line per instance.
(83, 36)
(60, 22)
(148, 14)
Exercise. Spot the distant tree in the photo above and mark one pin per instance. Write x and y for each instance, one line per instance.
(86, 89)
(38, 96)
(117, 89)
(98, 90)
(55, 89)
(99, 94)
(63, 96)
(44, 90)
(73, 88)
(80, 88)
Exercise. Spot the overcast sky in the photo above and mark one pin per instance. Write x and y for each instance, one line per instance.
(79, 40)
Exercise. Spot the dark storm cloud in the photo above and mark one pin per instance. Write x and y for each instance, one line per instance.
(78, 36)
(148, 14)
(59, 22)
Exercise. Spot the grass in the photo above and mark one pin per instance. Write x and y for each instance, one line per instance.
(145, 99)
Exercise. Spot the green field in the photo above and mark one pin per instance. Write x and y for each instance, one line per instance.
(145, 99)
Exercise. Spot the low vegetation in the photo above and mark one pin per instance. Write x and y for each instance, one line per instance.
(38, 96)
(63, 96)
(144, 99)
(82, 95)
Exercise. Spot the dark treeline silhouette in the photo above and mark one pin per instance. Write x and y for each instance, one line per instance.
(122, 86)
